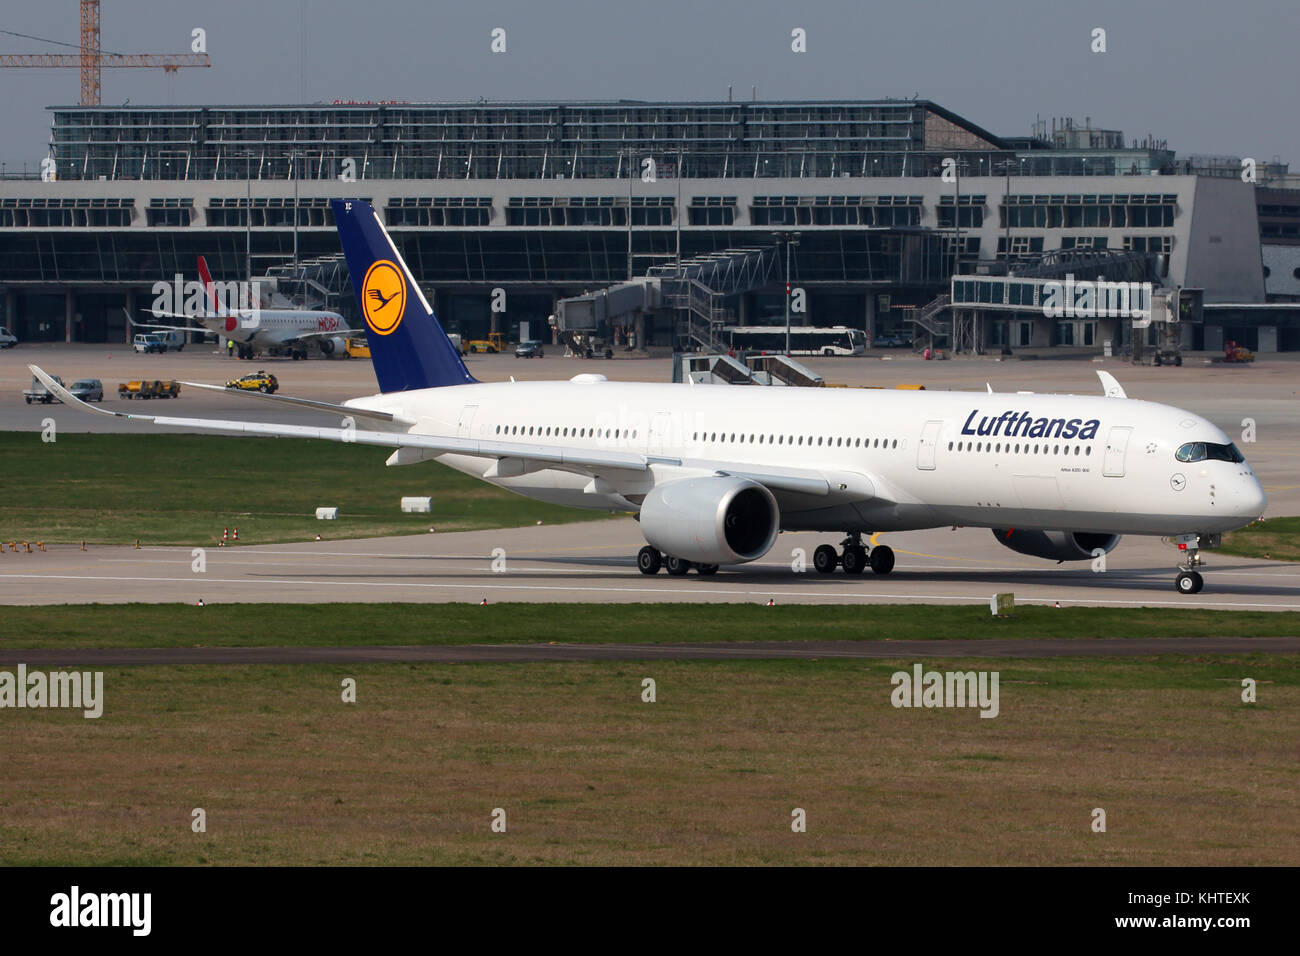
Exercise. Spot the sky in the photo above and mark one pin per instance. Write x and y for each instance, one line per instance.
(1210, 78)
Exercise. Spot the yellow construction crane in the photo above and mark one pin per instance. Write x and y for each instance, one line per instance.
(92, 59)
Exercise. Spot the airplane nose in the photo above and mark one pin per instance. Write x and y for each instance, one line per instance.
(1249, 501)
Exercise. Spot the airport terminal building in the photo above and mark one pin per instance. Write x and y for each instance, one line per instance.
(871, 207)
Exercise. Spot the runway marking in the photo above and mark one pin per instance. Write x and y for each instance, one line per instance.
(478, 557)
(337, 586)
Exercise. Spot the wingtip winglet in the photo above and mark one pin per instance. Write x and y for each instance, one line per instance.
(1110, 385)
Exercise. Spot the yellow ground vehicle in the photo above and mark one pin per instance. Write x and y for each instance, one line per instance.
(357, 348)
(495, 342)
(1232, 352)
(148, 389)
(259, 381)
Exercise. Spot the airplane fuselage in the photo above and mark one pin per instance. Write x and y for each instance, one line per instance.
(268, 328)
(895, 460)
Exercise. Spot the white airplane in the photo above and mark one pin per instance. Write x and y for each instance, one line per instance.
(261, 330)
(716, 472)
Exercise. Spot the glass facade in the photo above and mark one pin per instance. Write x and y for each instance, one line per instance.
(517, 141)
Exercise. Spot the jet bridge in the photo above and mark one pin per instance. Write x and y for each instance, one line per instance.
(695, 288)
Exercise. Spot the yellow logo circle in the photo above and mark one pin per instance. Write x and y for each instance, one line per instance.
(383, 297)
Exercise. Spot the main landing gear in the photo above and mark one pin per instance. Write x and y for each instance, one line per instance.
(855, 558)
(649, 561)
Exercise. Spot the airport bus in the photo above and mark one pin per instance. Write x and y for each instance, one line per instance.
(803, 340)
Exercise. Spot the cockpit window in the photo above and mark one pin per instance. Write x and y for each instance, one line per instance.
(1202, 450)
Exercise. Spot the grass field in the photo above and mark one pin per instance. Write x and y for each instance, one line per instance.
(1277, 539)
(166, 625)
(184, 489)
(709, 774)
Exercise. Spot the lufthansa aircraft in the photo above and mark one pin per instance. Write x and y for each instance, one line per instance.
(258, 329)
(715, 472)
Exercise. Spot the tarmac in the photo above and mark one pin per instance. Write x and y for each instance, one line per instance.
(593, 561)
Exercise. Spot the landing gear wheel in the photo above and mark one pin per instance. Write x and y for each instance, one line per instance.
(855, 559)
(648, 560)
(882, 559)
(825, 559)
(1189, 582)
(676, 566)
(707, 569)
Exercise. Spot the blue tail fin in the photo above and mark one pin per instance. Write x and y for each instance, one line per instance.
(408, 347)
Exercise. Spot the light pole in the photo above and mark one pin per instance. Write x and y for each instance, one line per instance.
(293, 168)
(956, 217)
(1006, 210)
(677, 213)
(791, 240)
(248, 216)
(631, 154)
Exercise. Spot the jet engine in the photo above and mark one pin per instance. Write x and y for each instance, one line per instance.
(1056, 545)
(331, 345)
(717, 520)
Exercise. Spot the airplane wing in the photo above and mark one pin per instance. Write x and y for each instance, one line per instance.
(306, 403)
(799, 481)
(168, 328)
(340, 333)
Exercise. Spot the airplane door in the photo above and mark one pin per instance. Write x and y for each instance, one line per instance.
(1116, 447)
(466, 421)
(928, 444)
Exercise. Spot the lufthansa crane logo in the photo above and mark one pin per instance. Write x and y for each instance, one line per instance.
(383, 297)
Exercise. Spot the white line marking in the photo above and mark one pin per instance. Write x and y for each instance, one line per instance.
(804, 595)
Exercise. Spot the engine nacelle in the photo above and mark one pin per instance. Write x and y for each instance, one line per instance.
(718, 520)
(331, 345)
(1057, 545)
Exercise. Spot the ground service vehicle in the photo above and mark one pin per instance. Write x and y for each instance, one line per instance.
(147, 342)
(259, 381)
(495, 342)
(838, 340)
(148, 388)
(88, 389)
(39, 393)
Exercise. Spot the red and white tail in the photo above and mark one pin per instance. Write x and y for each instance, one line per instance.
(208, 290)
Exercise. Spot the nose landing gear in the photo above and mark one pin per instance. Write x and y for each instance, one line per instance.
(855, 557)
(1189, 580)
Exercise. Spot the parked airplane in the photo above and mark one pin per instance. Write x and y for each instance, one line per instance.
(716, 472)
(262, 330)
